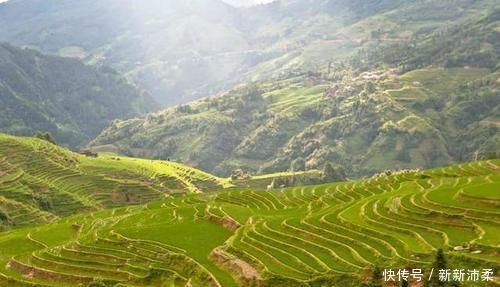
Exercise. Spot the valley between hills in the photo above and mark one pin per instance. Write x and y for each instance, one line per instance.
(242, 143)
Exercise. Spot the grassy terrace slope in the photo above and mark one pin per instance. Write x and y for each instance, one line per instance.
(284, 237)
(40, 182)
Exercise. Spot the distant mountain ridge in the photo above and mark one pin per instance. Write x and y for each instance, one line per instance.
(63, 96)
(171, 48)
(179, 51)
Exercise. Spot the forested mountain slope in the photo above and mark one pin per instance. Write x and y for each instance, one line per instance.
(424, 103)
(72, 101)
(168, 47)
(397, 121)
(182, 50)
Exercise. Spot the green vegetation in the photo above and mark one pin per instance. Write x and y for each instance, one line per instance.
(397, 84)
(365, 123)
(45, 136)
(40, 182)
(365, 136)
(323, 235)
(72, 101)
(367, 85)
(439, 263)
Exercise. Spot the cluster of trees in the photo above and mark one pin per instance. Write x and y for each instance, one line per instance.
(330, 172)
(333, 174)
(4, 219)
(43, 201)
(239, 174)
(46, 136)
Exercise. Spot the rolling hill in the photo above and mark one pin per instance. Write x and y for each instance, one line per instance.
(41, 182)
(428, 102)
(326, 235)
(63, 96)
(419, 119)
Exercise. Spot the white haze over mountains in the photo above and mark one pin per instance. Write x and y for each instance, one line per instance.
(231, 2)
(246, 2)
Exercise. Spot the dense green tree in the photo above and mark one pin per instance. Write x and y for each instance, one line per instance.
(370, 87)
(376, 278)
(298, 164)
(331, 173)
(439, 264)
(239, 174)
(403, 155)
(46, 136)
(4, 216)
(43, 201)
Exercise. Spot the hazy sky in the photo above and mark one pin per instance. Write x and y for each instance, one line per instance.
(246, 2)
(235, 1)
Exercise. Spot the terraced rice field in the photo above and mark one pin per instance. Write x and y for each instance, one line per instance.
(40, 182)
(285, 237)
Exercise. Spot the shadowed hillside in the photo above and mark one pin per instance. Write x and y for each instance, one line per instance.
(72, 101)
